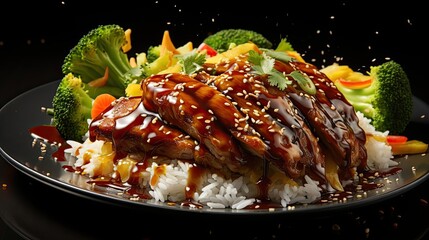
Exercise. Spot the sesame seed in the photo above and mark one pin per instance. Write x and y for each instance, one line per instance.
(244, 110)
(254, 95)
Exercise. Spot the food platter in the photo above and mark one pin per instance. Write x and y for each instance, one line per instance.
(25, 153)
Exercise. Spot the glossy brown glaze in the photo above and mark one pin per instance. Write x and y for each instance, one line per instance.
(229, 120)
(183, 109)
(134, 129)
(337, 127)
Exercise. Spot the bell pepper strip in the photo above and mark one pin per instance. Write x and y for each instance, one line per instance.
(409, 147)
(355, 84)
(396, 139)
(209, 50)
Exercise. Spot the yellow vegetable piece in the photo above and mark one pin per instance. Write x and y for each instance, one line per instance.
(167, 43)
(233, 52)
(133, 62)
(165, 60)
(127, 46)
(176, 68)
(133, 89)
(141, 59)
(336, 71)
(409, 147)
(358, 77)
(295, 55)
(124, 168)
(188, 47)
(331, 173)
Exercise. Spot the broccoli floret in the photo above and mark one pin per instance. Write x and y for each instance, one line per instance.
(99, 49)
(71, 108)
(387, 101)
(153, 52)
(221, 40)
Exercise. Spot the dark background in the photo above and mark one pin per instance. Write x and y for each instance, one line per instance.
(35, 36)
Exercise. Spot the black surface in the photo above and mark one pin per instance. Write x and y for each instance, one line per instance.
(36, 35)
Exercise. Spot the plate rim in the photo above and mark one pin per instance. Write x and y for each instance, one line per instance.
(78, 191)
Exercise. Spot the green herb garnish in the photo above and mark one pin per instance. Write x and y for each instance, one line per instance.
(191, 62)
(304, 82)
(263, 64)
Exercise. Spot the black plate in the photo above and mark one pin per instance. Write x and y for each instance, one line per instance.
(17, 146)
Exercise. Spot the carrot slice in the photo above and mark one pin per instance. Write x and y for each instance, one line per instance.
(101, 102)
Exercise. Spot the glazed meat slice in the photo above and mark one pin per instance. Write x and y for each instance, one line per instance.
(328, 90)
(333, 126)
(292, 144)
(183, 109)
(225, 112)
(135, 130)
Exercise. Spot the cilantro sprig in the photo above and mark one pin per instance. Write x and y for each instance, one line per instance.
(192, 62)
(263, 64)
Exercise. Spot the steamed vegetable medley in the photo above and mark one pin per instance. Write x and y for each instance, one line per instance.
(246, 91)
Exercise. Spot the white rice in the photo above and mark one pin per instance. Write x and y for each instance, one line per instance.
(214, 191)
(379, 153)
